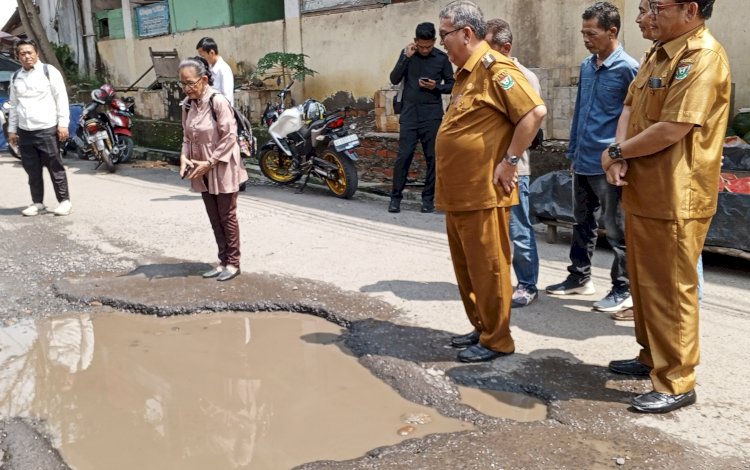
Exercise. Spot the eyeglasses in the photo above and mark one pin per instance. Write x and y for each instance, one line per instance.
(656, 7)
(445, 35)
(191, 85)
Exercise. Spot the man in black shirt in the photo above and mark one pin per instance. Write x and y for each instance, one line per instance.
(427, 74)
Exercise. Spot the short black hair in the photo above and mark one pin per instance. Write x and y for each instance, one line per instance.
(705, 7)
(25, 42)
(425, 31)
(606, 14)
(208, 45)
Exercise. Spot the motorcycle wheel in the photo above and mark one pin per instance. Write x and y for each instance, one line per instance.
(346, 184)
(13, 149)
(126, 148)
(276, 167)
(107, 161)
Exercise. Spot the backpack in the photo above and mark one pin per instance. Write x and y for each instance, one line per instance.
(46, 74)
(245, 137)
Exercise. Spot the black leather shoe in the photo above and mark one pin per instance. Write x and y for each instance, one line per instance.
(478, 353)
(656, 402)
(632, 367)
(394, 206)
(428, 208)
(464, 341)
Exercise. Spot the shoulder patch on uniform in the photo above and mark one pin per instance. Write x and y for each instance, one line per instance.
(504, 79)
(683, 69)
(487, 60)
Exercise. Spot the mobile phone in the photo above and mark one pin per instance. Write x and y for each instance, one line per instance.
(425, 78)
(188, 169)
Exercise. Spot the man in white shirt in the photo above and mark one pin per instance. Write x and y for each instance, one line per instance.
(222, 73)
(38, 122)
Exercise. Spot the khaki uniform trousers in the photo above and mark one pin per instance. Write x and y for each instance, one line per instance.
(662, 258)
(480, 249)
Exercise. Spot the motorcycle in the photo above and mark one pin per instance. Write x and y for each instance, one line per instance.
(305, 141)
(4, 117)
(106, 136)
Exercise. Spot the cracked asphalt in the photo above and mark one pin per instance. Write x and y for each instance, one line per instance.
(138, 239)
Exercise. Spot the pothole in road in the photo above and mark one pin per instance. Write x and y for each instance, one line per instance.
(515, 406)
(220, 390)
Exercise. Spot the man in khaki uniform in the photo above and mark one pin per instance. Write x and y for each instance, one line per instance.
(492, 118)
(668, 162)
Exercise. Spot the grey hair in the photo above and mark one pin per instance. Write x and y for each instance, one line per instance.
(464, 13)
(200, 66)
(500, 32)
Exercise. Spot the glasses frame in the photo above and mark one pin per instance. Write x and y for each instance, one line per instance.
(190, 85)
(657, 8)
(445, 35)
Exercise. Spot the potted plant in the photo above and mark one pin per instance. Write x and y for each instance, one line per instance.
(283, 67)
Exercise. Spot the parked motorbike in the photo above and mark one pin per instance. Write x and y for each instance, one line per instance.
(305, 141)
(106, 137)
(4, 117)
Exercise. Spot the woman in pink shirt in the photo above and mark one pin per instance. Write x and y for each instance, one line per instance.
(210, 157)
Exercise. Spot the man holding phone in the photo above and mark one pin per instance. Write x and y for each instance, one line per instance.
(427, 74)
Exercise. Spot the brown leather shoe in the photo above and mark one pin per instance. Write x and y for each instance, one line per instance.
(624, 315)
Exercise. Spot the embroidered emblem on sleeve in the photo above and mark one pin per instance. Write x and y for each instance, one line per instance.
(505, 81)
(683, 69)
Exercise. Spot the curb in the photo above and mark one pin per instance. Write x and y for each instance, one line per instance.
(368, 190)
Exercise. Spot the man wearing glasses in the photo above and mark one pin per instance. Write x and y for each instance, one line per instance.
(426, 75)
(668, 162)
(493, 116)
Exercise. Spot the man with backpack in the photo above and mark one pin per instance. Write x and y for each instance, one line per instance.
(38, 122)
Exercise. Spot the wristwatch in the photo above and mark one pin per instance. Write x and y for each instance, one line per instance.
(512, 159)
(614, 151)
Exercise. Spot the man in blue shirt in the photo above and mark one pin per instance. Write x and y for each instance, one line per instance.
(603, 85)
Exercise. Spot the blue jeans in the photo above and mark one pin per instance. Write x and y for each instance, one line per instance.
(593, 194)
(525, 256)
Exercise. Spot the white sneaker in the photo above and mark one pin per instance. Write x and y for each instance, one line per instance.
(34, 209)
(64, 208)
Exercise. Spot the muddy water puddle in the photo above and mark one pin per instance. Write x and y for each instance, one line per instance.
(218, 391)
(515, 406)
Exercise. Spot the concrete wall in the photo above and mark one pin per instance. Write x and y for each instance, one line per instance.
(355, 50)
(241, 47)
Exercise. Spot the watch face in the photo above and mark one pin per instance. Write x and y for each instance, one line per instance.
(614, 152)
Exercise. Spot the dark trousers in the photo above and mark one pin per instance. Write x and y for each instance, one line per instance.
(592, 195)
(39, 149)
(222, 212)
(409, 136)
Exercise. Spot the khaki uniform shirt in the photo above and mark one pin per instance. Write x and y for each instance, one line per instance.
(685, 80)
(489, 97)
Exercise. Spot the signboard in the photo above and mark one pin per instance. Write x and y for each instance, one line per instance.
(309, 6)
(153, 20)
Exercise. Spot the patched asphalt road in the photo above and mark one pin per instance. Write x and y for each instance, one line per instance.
(128, 249)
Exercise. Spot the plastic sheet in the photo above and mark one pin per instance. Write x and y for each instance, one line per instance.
(551, 199)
